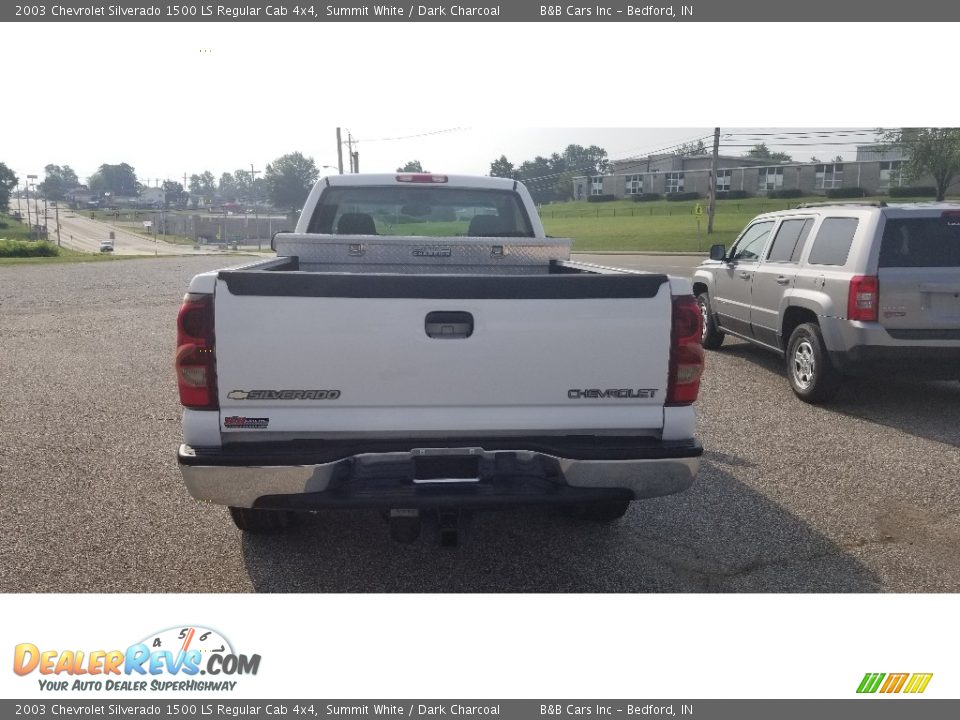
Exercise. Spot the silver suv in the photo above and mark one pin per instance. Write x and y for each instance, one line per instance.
(841, 289)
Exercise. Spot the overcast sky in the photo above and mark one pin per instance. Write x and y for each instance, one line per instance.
(174, 99)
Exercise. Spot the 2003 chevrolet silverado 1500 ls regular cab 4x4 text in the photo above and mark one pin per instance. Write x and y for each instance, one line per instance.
(419, 344)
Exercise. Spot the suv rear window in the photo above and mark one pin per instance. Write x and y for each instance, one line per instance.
(420, 211)
(833, 242)
(921, 242)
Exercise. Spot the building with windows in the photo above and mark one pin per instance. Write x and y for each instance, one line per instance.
(877, 168)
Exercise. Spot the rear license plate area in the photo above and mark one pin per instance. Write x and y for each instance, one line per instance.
(446, 469)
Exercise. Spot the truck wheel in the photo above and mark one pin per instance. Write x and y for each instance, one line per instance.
(601, 511)
(256, 520)
(811, 374)
(711, 337)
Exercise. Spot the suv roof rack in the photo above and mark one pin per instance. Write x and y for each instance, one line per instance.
(879, 203)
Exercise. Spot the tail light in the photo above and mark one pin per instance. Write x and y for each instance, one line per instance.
(421, 178)
(863, 299)
(686, 352)
(196, 361)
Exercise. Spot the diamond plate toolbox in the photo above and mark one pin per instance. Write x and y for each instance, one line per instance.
(377, 253)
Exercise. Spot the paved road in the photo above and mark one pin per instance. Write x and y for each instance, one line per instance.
(858, 496)
(79, 232)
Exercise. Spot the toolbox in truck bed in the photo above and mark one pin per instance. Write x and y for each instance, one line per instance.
(398, 254)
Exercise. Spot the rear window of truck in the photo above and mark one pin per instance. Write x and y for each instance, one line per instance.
(921, 242)
(420, 211)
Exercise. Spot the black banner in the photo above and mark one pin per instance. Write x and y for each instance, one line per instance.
(872, 708)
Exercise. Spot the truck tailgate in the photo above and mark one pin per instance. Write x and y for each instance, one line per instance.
(311, 354)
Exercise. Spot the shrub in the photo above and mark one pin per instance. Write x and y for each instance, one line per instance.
(788, 193)
(732, 194)
(853, 192)
(678, 196)
(21, 248)
(645, 197)
(920, 191)
(602, 198)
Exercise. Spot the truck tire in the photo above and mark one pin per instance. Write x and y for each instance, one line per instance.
(256, 520)
(712, 337)
(601, 511)
(809, 370)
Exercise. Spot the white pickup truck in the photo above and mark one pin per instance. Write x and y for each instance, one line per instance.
(419, 344)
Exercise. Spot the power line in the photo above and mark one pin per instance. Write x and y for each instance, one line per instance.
(408, 137)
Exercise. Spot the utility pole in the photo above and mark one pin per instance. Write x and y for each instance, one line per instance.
(19, 209)
(350, 150)
(356, 161)
(712, 206)
(256, 212)
(29, 217)
(339, 152)
(44, 215)
(57, 208)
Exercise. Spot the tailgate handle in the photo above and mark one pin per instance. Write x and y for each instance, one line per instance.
(444, 325)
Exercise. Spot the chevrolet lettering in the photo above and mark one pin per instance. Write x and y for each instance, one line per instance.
(623, 394)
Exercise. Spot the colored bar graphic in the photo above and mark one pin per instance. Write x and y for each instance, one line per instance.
(918, 683)
(870, 682)
(895, 682)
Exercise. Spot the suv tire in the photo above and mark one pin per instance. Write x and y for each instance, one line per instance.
(809, 370)
(256, 520)
(711, 337)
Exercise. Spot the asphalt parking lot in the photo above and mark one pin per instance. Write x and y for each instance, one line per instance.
(860, 496)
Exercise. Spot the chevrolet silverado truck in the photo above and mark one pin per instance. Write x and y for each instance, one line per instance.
(420, 346)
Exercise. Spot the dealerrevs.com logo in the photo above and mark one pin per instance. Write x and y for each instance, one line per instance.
(179, 659)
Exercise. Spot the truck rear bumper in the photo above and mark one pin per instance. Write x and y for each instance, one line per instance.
(545, 471)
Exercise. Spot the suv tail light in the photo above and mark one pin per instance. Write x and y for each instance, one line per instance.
(863, 300)
(686, 352)
(196, 361)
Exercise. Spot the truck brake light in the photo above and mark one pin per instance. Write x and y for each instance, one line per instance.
(863, 298)
(686, 352)
(421, 178)
(196, 362)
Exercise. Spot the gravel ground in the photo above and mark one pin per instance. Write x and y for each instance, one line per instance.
(859, 496)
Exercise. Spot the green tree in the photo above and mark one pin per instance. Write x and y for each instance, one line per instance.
(762, 152)
(577, 161)
(8, 181)
(590, 160)
(931, 151)
(413, 166)
(173, 193)
(57, 181)
(501, 167)
(227, 188)
(697, 147)
(114, 179)
(243, 179)
(289, 178)
(539, 177)
(203, 185)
